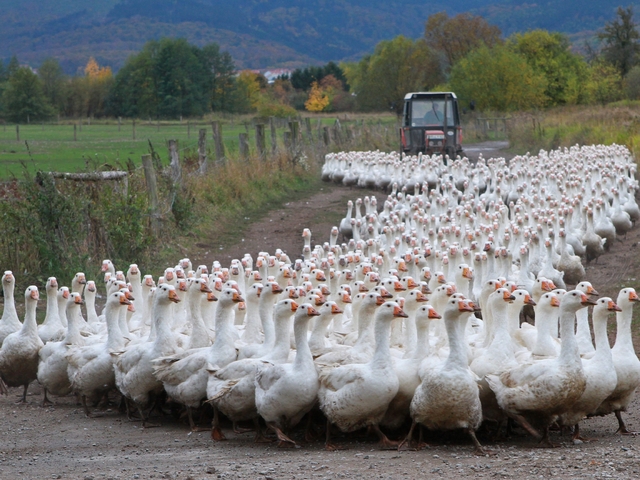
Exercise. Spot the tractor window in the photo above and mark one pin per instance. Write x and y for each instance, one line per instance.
(430, 112)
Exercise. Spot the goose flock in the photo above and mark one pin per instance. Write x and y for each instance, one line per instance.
(447, 309)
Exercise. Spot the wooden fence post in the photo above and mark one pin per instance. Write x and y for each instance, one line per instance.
(307, 124)
(326, 136)
(119, 122)
(176, 172)
(337, 133)
(75, 136)
(286, 137)
(243, 145)
(134, 128)
(274, 141)
(217, 140)
(202, 150)
(188, 129)
(152, 188)
(294, 127)
(260, 140)
(18, 132)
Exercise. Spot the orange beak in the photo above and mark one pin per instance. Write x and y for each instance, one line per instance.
(555, 302)
(379, 300)
(467, 273)
(312, 312)
(335, 309)
(613, 307)
(238, 298)
(211, 297)
(528, 300)
(464, 306)
(173, 296)
(275, 288)
(398, 287)
(398, 312)
(586, 300)
(433, 313)
(346, 298)
(633, 296)
(592, 291)
(294, 307)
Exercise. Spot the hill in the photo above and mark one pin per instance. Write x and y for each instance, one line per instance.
(259, 33)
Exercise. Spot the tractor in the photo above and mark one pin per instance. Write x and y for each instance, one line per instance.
(431, 124)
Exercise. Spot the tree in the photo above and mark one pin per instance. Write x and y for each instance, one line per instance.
(98, 84)
(455, 37)
(13, 66)
(53, 79)
(249, 87)
(620, 39)
(318, 99)
(497, 78)
(632, 83)
(549, 54)
(381, 80)
(24, 99)
(171, 78)
(302, 79)
(605, 83)
(222, 69)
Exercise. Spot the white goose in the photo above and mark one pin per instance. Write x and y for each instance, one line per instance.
(625, 360)
(284, 393)
(540, 391)
(599, 371)
(52, 368)
(9, 322)
(132, 366)
(90, 367)
(19, 351)
(358, 395)
(184, 375)
(447, 397)
(231, 389)
(51, 329)
(407, 369)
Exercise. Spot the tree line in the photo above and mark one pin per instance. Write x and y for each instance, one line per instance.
(170, 78)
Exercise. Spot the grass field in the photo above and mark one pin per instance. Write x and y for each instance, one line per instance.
(51, 146)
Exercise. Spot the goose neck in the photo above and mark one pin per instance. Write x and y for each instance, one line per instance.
(569, 352)
(266, 317)
(623, 325)
(421, 349)
(303, 352)
(382, 332)
(282, 343)
(457, 350)
(223, 326)
(115, 339)
(30, 326)
(164, 341)
(9, 302)
(52, 308)
(600, 333)
(365, 316)
(73, 332)
(316, 339)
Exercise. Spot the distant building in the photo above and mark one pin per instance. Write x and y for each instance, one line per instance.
(271, 75)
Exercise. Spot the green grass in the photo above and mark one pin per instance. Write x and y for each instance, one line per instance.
(51, 146)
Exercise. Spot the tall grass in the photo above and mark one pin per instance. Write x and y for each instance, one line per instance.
(566, 126)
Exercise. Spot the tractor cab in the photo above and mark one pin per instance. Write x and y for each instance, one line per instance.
(431, 124)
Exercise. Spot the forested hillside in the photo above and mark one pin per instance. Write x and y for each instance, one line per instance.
(259, 34)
